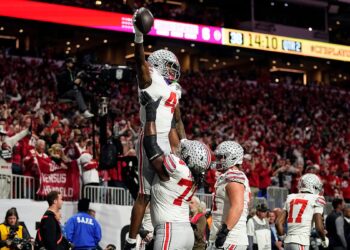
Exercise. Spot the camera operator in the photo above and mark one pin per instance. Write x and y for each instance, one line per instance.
(70, 86)
(14, 235)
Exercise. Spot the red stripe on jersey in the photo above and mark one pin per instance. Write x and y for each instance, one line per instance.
(142, 188)
(235, 172)
(172, 162)
(167, 236)
(321, 200)
(231, 176)
(232, 247)
(168, 168)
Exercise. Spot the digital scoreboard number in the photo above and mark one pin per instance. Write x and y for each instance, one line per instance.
(259, 41)
(289, 45)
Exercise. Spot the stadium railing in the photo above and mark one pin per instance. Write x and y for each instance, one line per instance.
(108, 195)
(276, 196)
(207, 198)
(17, 187)
(23, 187)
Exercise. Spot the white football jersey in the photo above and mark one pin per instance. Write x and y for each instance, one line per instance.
(170, 199)
(221, 206)
(301, 208)
(170, 97)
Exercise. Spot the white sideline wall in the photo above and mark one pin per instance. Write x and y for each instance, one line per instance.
(112, 218)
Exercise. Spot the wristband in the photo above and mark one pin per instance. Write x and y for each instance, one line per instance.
(138, 38)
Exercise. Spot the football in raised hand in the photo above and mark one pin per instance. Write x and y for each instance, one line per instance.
(143, 20)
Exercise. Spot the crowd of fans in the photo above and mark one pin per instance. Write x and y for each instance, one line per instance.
(286, 129)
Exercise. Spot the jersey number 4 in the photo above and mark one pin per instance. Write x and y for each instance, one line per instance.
(171, 101)
(188, 184)
(294, 202)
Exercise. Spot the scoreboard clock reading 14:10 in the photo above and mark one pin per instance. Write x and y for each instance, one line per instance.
(264, 42)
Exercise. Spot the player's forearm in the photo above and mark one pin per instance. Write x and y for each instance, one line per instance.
(280, 229)
(280, 223)
(139, 54)
(143, 74)
(180, 129)
(150, 141)
(319, 225)
(321, 232)
(233, 216)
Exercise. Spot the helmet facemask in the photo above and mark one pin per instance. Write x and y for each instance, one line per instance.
(166, 63)
(220, 163)
(228, 154)
(172, 71)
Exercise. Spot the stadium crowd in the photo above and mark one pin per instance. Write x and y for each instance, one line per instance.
(285, 129)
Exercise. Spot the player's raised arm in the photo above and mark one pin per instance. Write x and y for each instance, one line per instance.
(154, 153)
(142, 17)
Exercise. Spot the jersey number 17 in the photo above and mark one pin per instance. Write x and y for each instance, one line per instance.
(292, 206)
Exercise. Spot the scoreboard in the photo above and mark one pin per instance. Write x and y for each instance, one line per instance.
(281, 44)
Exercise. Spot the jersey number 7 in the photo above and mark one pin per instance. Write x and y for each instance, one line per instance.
(292, 203)
(188, 184)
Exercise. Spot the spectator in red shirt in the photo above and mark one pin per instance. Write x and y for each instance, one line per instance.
(265, 172)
